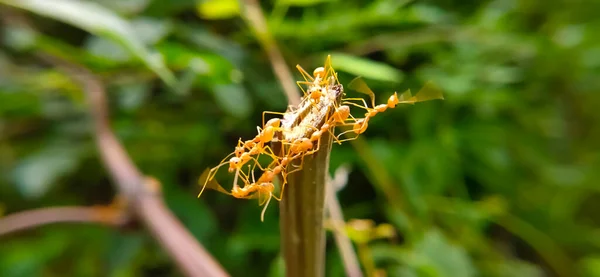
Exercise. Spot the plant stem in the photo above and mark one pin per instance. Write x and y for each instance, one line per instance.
(302, 214)
(334, 209)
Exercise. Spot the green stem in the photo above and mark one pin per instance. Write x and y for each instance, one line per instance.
(302, 214)
(366, 258)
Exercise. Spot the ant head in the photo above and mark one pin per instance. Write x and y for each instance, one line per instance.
(273, 122)
(342, 114)
(239, 151)
(393, 100)
(315, 94)
(344, 110)
(234, 163)
(319, 72)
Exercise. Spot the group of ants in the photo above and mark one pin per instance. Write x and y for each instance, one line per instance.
(318, 87)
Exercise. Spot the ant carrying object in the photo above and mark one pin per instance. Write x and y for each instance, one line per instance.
(300, 131)
(359, 126)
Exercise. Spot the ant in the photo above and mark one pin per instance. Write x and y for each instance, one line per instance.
(258, 189)
(256, 146)
(318, 83)
(428, 92)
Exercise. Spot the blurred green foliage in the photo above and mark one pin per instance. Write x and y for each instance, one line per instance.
(500, 179)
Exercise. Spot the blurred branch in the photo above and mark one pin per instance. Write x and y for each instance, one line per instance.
(142, 194)
(384, 183)
(256, 19)
(336, 216)
(106, 215)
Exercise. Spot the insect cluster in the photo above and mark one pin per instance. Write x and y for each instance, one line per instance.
(299, 132)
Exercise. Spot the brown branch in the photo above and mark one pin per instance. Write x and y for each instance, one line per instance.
(256, 19)
(334, 210)
(142, 194)
(33, 218)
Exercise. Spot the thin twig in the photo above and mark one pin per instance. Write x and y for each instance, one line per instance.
(143, 194)
(336, 216)
(256, 19)
(33, 218)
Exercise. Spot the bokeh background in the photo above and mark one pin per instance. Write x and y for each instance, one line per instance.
(500, 179)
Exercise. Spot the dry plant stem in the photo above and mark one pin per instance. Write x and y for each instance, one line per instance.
(142, 194)
(334, 210)
(256, 19)
(33, 218)
(302, 214)
(302, 209)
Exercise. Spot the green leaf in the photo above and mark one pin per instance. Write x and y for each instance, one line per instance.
(35, 174)
(218, 9)
(509, 268)
(100, 21)
(366, 68)
(303, 3)
(122, 253)
(133, 96)
(277, 267)
(590, 266)
(437, 255)
(233, 99)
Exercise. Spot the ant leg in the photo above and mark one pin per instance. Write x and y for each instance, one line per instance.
(280, 196)
(282, 189)
(298, 168)
(267, 150)
(253, 179)
(365, 107)
(331, 72)
(332, 123)
(235, 179)
(358, 99)
(262, 214)
(346, 132)
(300, 85)
(348, 139)
(284, 175)
(256, 163)
(269, 112)
(307, 77)
(214, 170)
(213, 184)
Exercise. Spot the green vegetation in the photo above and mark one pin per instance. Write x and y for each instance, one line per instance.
(499, 179)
